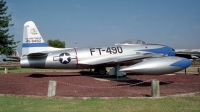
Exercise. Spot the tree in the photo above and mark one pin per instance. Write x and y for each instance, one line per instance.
(56, 43)
(7, 43)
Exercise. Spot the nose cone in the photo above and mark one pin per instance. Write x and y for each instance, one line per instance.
(183, 63)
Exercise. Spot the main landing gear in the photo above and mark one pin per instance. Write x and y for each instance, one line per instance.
(115, 71)
(100, 70)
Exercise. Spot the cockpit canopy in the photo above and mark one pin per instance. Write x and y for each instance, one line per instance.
(131, 42)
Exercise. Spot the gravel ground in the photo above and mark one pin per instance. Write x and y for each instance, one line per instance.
(85, 84)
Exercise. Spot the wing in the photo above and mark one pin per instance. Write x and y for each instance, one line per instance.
(121, 59)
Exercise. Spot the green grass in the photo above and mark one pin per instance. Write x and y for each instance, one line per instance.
(176, 104)
(16, 70)
(191, 69)
(29, 70)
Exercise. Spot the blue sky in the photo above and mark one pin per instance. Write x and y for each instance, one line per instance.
(175, 23)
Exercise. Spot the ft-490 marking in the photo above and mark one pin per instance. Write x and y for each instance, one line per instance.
(110, 50)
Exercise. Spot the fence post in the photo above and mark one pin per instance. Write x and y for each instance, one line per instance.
(198, 69)
(51, 88)
(6, 70)
(155, 88)
(185, 71)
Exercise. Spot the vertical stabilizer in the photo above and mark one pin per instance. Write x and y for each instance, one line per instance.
(32, 40)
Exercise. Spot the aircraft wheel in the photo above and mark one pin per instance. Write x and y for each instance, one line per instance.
(102, 71)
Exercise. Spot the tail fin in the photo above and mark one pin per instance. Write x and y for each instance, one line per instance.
(32, 40)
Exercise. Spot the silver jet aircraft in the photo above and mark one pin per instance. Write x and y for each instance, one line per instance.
(188, 53)
(15, 57)
(135, 56)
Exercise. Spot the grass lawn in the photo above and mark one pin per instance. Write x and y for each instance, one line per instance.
(175, 104)
(29, 70)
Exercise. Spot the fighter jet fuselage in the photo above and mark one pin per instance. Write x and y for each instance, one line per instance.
(138, 57)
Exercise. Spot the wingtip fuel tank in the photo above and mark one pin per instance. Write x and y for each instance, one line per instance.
(157, 66)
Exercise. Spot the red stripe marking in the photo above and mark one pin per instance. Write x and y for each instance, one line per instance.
(76, 58)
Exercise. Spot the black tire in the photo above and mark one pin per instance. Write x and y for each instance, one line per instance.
(102, 71)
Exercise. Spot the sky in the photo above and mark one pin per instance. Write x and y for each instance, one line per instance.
(175, 23)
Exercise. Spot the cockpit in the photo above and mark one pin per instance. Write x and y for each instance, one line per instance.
(131, 42)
